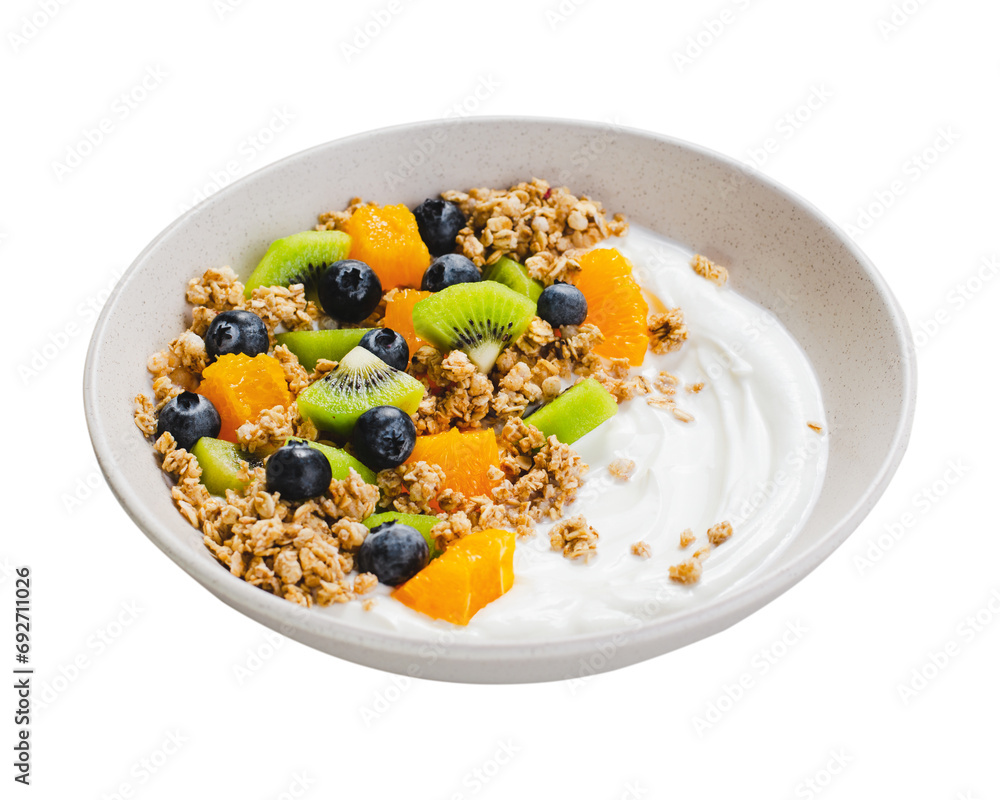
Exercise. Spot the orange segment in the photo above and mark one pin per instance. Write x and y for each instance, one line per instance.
(471, 574)
(387, 240)
(241, 387)
(464, 457)
(614, 304)
(399, 316)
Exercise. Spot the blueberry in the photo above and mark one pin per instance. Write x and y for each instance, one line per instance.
(383, 437)
(562, 304)
(187, 418)
(393, 552)
(439, 223)
(298, 471)
(236, 332)
(349, 290)
(447, 270)
(388, 345)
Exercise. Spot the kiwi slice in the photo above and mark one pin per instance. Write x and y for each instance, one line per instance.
(299, 258)
(515, 276)
(311, 346)
(220, 464)
(421, 522)
(575, 412)
(340, 461)
(361, 381)
(480, 319)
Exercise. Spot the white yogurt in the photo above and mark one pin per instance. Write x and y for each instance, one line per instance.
(748, 457)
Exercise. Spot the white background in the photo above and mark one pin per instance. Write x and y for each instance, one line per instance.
(132, 656)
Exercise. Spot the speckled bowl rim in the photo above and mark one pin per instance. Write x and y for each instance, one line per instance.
(681, 628)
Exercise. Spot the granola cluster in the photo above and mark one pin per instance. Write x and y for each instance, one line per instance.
(304, 552)
(709, 270)
(301, 552)
(667, 331)
(543, 227)
(689, 571)
(574, 537)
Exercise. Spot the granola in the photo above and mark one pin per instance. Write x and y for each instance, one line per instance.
(687, 538)
(719, 533)
(574, 537)
(622, 468)
(709, 270)
(543, 227)
(667, 331)
(641, 549)
(689, 572)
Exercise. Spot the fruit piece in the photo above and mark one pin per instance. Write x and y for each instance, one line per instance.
(575, 412)
(341, 462)
(562, 304)
(349, 290)
(241, 387)
(421, 522)
(480, 319)
(464, 457)
(299, 258)
(470, 574)
(311, 346)
(187, 418)
(388, 240)
(298, 471)
(220, 465)
(236, 331)
(360, 381)
(615, 304)
(448, 270)
(383, 437)
(399, 316)
(388, 345)
(439, 223)
(393, 553)
(514, 276)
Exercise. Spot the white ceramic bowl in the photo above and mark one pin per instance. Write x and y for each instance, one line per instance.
(845, 318)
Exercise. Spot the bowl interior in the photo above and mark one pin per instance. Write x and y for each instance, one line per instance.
(780, 253)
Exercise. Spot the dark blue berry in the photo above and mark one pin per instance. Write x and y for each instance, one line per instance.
(349, 290)
(393, 552)
(236, 332)
(439, 223)
(447, 270)
(562, 304)
(388, 345)
(187, 418)
(298, 471)
(383, 437)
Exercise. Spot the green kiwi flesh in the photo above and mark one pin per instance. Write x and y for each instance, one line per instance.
(220, 463)
(480, 319)
(575, 412)
(310, 346)
(299, 258)
(361, 381)
(514, 276)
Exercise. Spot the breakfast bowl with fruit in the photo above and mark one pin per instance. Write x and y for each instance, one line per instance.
(477, 420)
